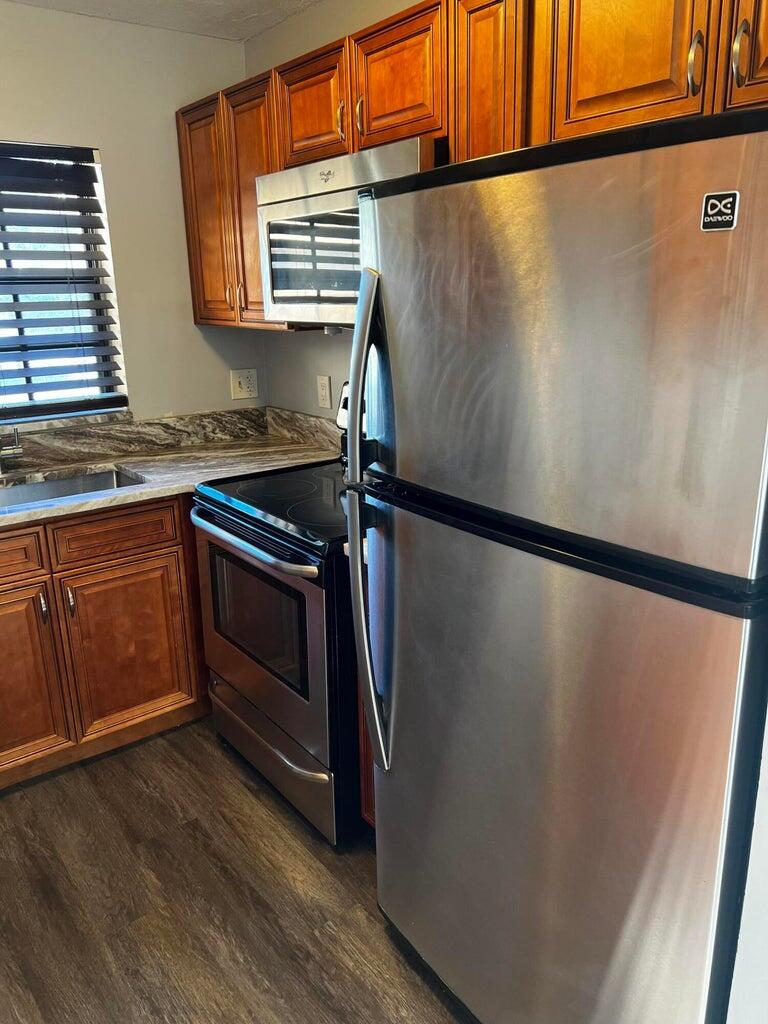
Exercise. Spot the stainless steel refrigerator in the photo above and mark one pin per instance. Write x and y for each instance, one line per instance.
(562, 355)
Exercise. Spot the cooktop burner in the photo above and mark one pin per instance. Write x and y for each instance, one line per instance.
(304, 502)
(274, 487)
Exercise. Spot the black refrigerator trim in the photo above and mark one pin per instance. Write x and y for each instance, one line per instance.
(620, 564)
(589, 147)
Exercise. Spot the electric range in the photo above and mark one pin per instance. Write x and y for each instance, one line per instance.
(278, 633)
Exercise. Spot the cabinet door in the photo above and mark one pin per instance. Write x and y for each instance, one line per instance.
(312, 106)
(631, 62)
(33, 720)
(743, 55)
(399, 72)
(488, 66)
(127, 641)
(206, 207)
(252, 151)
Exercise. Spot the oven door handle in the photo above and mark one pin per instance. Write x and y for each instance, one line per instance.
(308, 572)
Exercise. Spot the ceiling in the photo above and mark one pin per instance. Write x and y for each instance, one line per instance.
(224, 19)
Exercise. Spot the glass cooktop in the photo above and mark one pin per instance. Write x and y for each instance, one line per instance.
(304, 502)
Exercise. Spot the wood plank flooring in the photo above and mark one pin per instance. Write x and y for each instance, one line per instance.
(169, 884)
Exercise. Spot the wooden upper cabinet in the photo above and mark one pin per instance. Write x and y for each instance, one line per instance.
(313, 102)
(487, 83)
(399, 76)
(127, 641)
(33, 719)
(743, 75)
(632, 62)
(251, 149)
(206, 205)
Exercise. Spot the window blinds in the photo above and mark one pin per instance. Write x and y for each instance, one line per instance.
(59, 350)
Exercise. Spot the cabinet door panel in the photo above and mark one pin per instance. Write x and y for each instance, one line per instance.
(251, 150)
(632, 62)
(488, 77)
(313, 94)
(204, 183)
(744, 55)
(33, 720)
(400, 76)
(127, 641)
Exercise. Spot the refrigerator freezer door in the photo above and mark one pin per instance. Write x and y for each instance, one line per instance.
(550, 829)
(568, 346)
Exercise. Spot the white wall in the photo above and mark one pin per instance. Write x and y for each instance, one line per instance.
(293, 361)
(67, 79)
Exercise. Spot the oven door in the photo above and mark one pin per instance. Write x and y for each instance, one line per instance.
(310, 258)
(264, 631)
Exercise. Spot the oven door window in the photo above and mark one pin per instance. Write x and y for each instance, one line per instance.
(316, 258)
(261, 616)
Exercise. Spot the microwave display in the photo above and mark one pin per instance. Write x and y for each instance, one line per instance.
(315, 258)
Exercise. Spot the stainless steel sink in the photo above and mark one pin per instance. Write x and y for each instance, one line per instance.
(83, 483)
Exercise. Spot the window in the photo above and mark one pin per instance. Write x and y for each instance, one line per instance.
(59, 345)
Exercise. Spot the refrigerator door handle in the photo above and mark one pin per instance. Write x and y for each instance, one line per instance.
(361, 343)
(374, 716)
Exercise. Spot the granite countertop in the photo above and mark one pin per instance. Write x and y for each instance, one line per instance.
(161, 473)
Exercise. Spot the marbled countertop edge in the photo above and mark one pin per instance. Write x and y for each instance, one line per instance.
(169, 474)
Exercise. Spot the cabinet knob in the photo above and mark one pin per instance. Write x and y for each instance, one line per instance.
(694, 85)
(71, 601)
(742, 33)
(43, 606)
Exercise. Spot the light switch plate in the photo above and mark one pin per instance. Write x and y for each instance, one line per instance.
(243, 384)
(324, 399)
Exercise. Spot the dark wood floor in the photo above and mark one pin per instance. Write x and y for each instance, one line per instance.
(168, 883)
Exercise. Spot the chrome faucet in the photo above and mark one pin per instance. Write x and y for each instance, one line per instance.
(10, 448)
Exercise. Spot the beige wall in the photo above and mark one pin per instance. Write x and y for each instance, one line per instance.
(83, 81)
(319, 24)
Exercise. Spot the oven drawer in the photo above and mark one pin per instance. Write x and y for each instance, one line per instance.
(307, 784)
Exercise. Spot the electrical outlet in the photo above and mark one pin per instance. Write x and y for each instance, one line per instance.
(243, 384)
(324, 392)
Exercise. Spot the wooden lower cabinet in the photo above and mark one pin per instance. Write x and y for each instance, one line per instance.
(126, 641)
(33, 713)
(99, 650)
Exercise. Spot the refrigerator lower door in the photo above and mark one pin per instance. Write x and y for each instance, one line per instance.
(551, 831)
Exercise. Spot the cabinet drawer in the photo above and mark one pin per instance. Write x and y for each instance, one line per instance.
(96, 537)
(22, 553)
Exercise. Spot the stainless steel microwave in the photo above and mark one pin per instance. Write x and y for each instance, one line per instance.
(309, 229)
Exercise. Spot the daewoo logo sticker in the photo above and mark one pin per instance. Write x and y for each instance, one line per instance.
(720, 211)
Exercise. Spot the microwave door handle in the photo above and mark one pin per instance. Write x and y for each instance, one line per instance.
(361, 343)
(289, 568)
